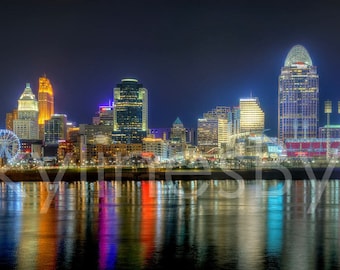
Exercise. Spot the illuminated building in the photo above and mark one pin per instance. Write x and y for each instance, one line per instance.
(156, 146)
(177, 138)
(165, 134)
(161, 133)
(312, 148)
(130, 120)
(10, 117)
(298, 97)
(251, 115)
(55, 129)
(212, 129)
(178, 132)
(316, 147)
(334, 131)
(72, 132)
(26, 126)
(96, 134)
(45, 103)
(104, 115)
(67, 148)
(234, 121)
(207, 137)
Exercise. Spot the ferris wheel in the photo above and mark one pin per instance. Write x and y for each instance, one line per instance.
(9, 145)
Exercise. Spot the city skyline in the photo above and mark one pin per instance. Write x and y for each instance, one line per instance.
(192, 56)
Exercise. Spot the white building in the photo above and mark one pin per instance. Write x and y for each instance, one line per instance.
(26, 126)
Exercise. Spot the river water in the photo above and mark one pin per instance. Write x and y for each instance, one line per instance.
(204, 224)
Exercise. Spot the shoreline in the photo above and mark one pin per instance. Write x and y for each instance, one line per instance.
(111, 174)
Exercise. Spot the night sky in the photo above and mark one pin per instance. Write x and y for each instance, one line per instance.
(191, 55)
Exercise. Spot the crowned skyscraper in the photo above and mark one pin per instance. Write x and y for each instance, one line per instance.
(46, 103)
(26, 126)
(298, 96)
(130, 112)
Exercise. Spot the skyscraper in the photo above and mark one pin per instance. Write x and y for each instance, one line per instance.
(55, 129)
(46, 103)
(298, 97)
(251, 115)
(178, 132)
(177, 138)
(26, 126)
(212, 129)
(130, 112)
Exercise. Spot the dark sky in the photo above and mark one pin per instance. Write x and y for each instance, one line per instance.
(191, 55)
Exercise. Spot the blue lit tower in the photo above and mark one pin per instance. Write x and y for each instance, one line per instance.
(130, 112)
(298, 97)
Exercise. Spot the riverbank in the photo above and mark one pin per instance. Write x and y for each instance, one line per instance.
(110, 174)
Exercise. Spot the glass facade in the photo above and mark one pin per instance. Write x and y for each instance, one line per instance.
(298, 97)
(55, 129)
(130, 124)
(251, 115)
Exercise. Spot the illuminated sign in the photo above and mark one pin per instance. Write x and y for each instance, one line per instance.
(105, 108)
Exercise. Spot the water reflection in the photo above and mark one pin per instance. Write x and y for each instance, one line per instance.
(164, 224)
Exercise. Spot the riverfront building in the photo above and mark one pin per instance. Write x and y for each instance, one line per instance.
(158, 147)
(130, 112)
(298, 96)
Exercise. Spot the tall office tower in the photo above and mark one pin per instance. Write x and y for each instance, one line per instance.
(207, 134)
(212, 129)
(55, 129)
(178, 131)
(26, 126)
(130, 112)
(177, 138)
(251, 115)
(298, 97)
(46, 103)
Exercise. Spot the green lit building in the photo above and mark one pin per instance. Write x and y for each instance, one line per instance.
(130, 112)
